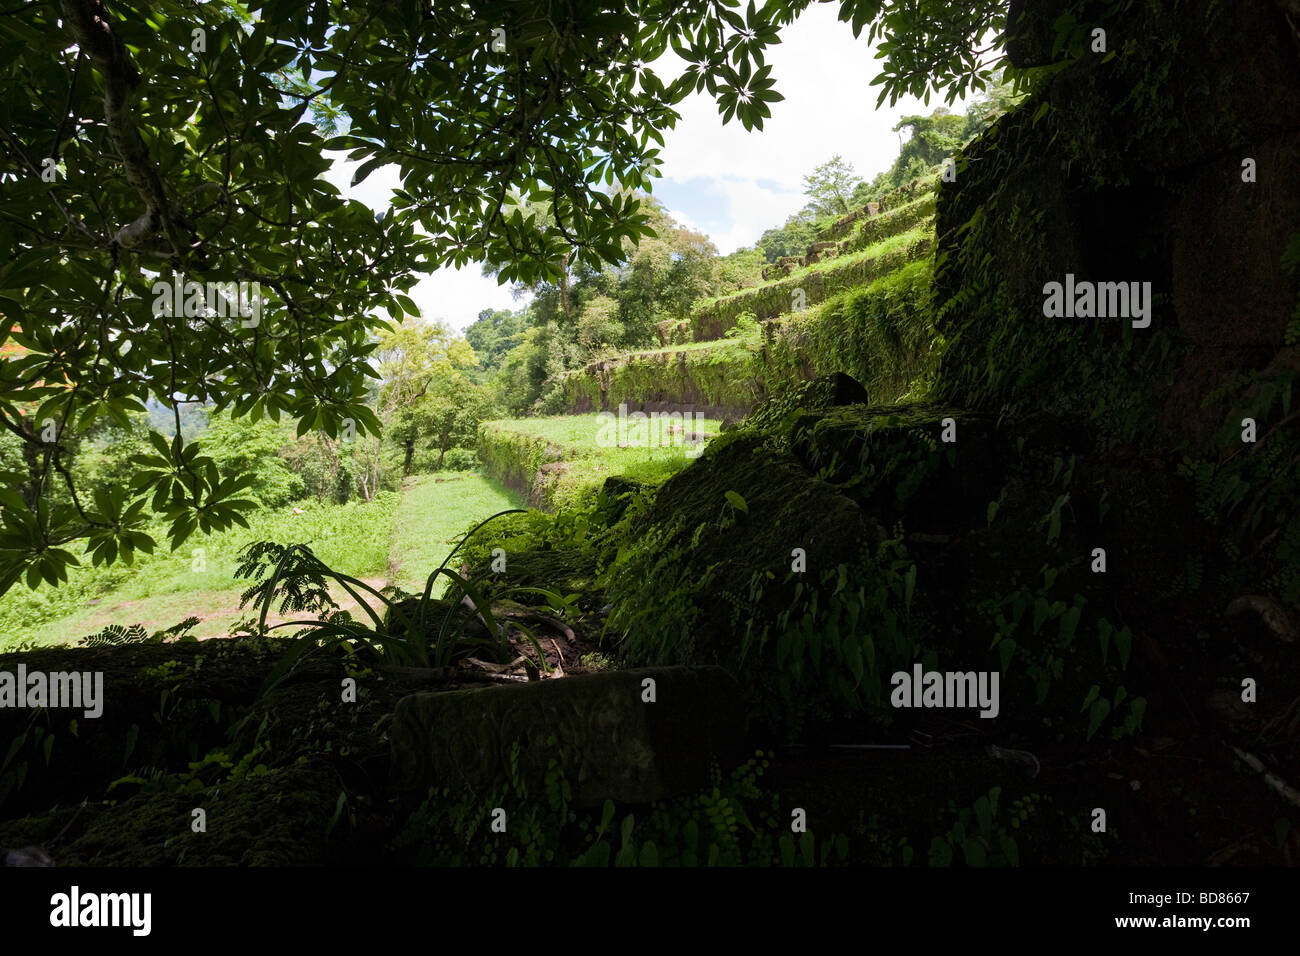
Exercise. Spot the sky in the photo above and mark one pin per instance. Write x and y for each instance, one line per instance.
(721, 180)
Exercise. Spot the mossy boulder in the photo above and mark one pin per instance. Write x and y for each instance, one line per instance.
(731, 518)
(278, 817)
(748, 561)
(160, 703)
(897, 462)
(598, 730)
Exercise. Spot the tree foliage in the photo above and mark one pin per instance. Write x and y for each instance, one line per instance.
(425, 394)
(494, 334)
(155, 151)
(830, 186)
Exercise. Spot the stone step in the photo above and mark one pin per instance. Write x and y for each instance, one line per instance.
(609, 741)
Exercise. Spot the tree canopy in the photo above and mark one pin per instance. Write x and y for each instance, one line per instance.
(170, 237)
(830, 186)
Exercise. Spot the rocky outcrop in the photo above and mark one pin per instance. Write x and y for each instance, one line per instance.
(1170, 162)
(633, 736)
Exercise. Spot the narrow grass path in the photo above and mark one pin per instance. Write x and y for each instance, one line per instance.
(435, 510)
(382, 542)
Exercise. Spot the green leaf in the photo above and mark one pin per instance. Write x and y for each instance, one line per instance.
(1009, 849)
(1124, 644)
(1007, 648)
(1069, 623)
(1041, 610)
(736, 501)
(1098, 713)
(940, 853)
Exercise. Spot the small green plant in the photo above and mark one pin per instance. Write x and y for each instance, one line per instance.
(408, 632)
(1099, 708)
(745, 324)
(979, 835)
(116, 634)
(596, 661)
(734, 822)
(215, 767)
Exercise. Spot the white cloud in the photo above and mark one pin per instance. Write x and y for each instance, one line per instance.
(750, 208)
(456, 295)
(829, 108)
(721, 180)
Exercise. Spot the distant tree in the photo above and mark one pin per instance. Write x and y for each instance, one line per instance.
(326, 465)
(830, 186)
(586, 310)
(494, 334)
(523, 370)
(444, 417)
(663, 275)
(242, 446)
(998, 98)
(193, 415)
(742, 269)
(792, 238)
(421, 363)
(598, 325)
(931, 139)
(126, 158)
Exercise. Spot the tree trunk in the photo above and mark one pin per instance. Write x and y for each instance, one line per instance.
(330, 484)
(31, 490)
(564, 291)
(374, 474)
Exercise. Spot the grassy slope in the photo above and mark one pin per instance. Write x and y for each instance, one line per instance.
(589, 463)
(581, 432)
(819, 280)
(435, 511)
(164, 589)
(739, 368)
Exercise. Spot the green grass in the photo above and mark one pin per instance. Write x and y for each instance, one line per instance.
(518, 445)
(891, 222)
(877, 250)
(818, 282)
(381, 542)
(436, 509)
(160, 589)
(580, 433)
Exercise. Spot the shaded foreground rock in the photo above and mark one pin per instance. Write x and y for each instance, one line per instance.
(277, 817)
(893, 461)
(608, 742)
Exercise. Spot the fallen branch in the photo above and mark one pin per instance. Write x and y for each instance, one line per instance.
(1283, 789)
(88, 23)
(1019, 758)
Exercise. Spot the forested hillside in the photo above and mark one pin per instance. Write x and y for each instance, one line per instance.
(951, 521)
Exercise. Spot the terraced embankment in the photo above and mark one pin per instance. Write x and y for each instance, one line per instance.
(562, 459)
(858, 302)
